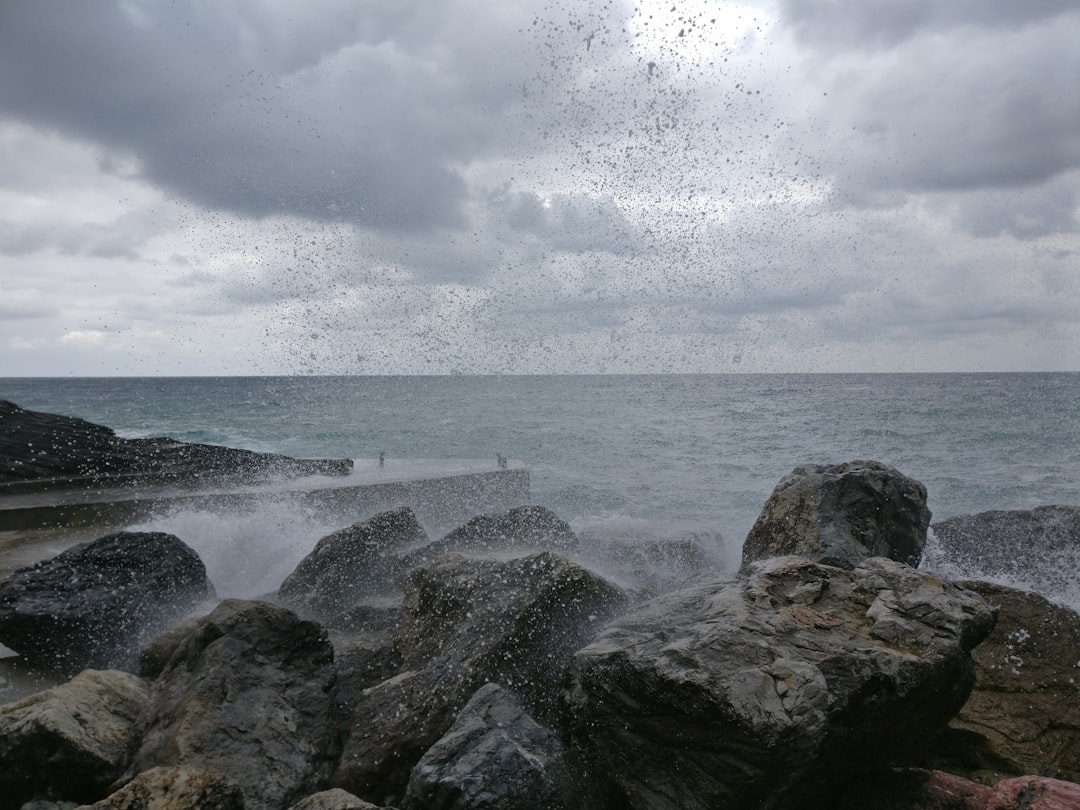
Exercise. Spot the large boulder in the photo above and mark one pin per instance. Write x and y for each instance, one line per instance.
(466, 622)
(1023, 716)
(334, 799)
(771, 687)
(1037, 548)
(495, 756)
(842, 513)
(175, 788)
(247, 692)
(69, 742)
(356, 562)
(49, 451)
(92, 605)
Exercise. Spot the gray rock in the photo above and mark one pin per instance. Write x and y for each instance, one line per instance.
(175, 788)
(348, 565)
(92, 605)
(650, 564)
(1036, 547)
(50, 451)
(247, 693)
(494, 756)
(770, 687)
(464, 623)
(1023, 716)
(842, 513)
(532, 528)
(69, 742)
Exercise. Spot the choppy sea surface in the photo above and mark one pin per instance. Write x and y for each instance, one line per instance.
(651, 452)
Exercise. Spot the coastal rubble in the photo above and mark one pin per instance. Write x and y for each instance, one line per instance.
(512, 673)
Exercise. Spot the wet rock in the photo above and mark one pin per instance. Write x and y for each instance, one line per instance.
(464, 623)
(771, 687)
(248, 693)
(914, 789)
(348, 565)
(648, 564)
(842, 513)
(335, 799)
(494, 756)
(92, 605)
(50, 451)
(175, 788)
(534, 528)
(1023, 716)
(1020, 545)
(69, 742)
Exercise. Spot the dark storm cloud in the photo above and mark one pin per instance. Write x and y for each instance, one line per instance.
(359, 112)
(970, 99)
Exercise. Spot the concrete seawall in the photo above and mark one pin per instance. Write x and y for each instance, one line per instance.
(443, 493)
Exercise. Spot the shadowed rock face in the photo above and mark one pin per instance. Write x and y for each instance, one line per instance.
(1023, 716)
(767, 688)
(842, 513)
(93, 604)
(50, 451)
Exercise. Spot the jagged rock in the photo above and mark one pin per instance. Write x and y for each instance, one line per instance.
(92, 605)
(1023, 716)
(915, 789)
(348, 565)
(494, 756)
(770, 687)
(842, 513)
(176, 788)
(533, 528)
(1036, 547)
(464, 623)
(50, 451)
(649, 564)
(248, 693)
(69, 742)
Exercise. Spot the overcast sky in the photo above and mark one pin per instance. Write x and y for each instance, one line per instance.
(428, 186)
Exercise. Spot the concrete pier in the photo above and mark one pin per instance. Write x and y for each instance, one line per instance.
(443, 493)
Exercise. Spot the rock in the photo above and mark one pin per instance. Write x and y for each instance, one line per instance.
(49, 451)
(532, 528)
(334, 799)
(92, 605)
(348, 565)
(914, 789)
(1036, 547)
(648, 564)
(771, 687)
(69, 742)
(247, 693)
(466, 622)
(494, 756)
(1023, 716)
(842, 513)
(175, 788)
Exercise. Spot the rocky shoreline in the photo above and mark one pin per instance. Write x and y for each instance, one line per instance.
(514, 664)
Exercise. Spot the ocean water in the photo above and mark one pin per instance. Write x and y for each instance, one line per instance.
(658, 453)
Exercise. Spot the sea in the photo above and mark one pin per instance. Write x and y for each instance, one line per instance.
(660, 454)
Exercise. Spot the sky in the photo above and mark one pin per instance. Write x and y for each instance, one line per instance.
(461, 186)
